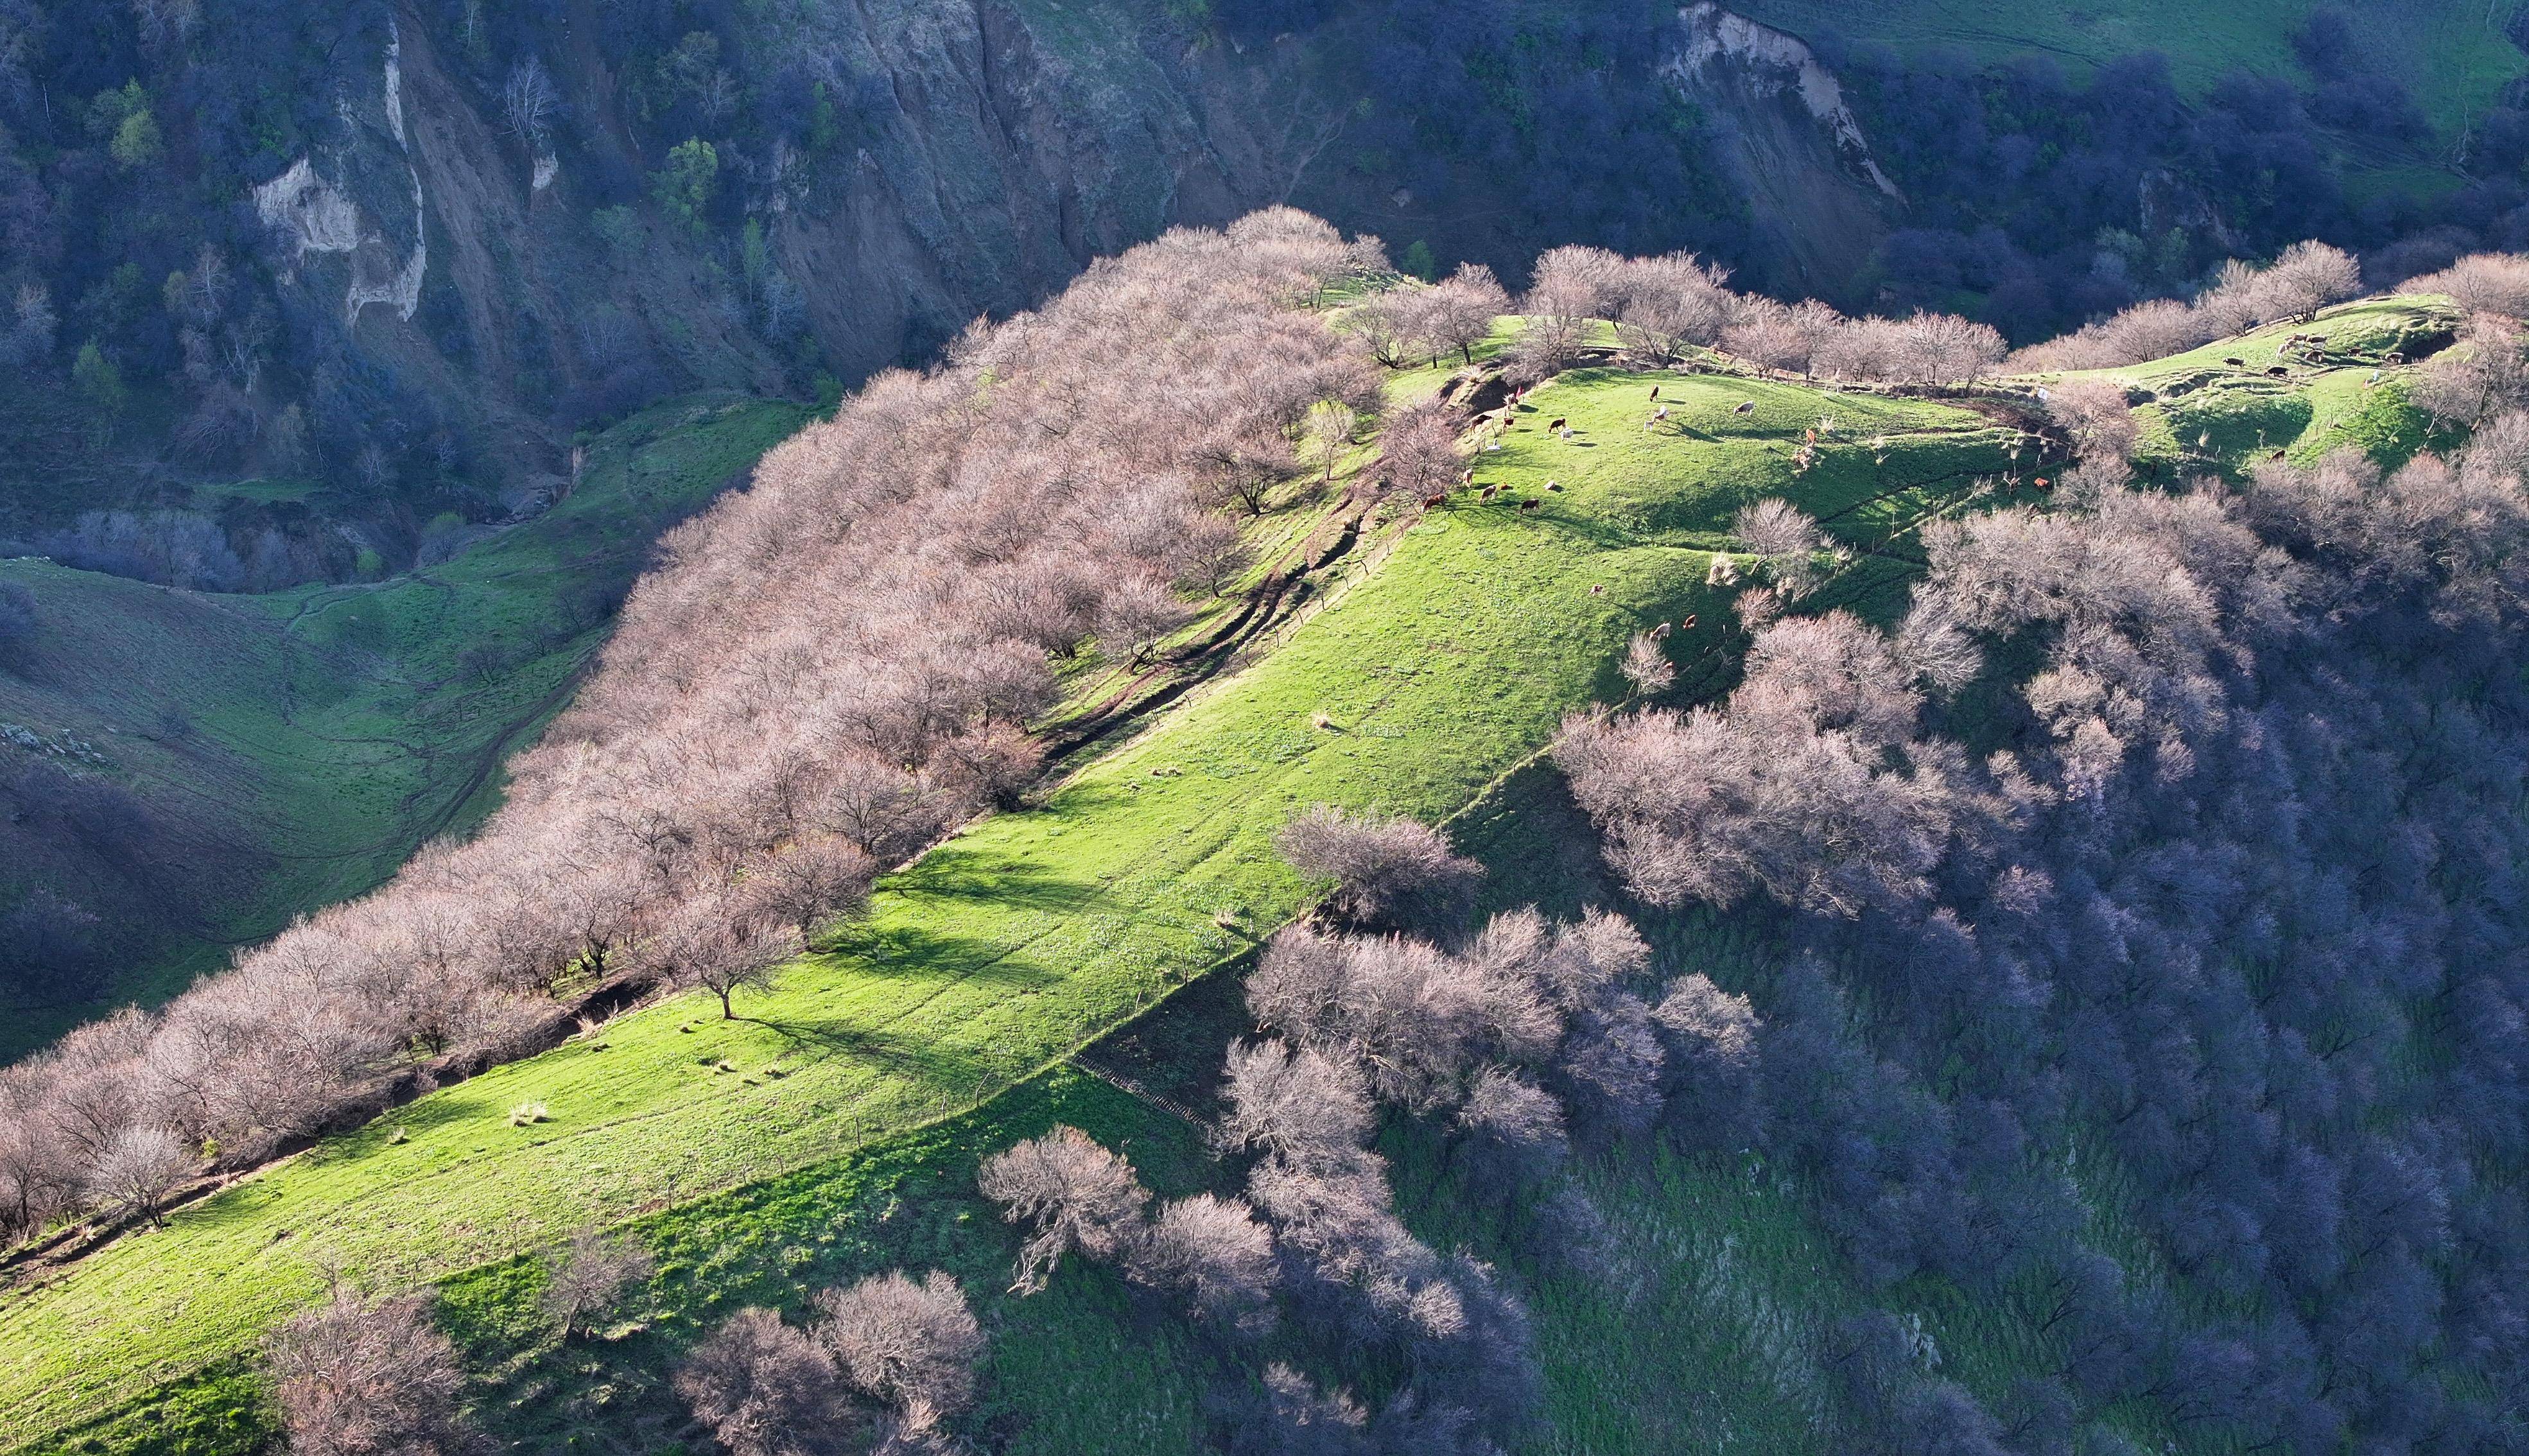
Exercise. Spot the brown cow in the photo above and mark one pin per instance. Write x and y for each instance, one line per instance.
(1430, 502)
(1744, 406)
(2278, 371)
(1529, 504)
(1688, 624)
(1557, 423)
(2234, 361)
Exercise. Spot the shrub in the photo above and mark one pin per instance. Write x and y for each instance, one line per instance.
(362, 1378)
(1384, 869)
(1076, 1194)
(911, 1345)
(766, 1390)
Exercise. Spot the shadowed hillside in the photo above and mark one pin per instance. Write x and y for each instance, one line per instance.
(194, 769)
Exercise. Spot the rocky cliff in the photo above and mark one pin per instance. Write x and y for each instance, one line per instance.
(990, 151)
(403, 253)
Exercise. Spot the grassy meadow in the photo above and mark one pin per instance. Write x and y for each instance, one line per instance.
(1427, 672)
(2210, 416)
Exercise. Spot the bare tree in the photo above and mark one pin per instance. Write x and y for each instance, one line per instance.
(2094, 414)
(1785, 538)
(529, 103)
(30, 336)
(1719, 1026)
(911, 1345)
(1418, 451)
(1135, 616)
(362, 1378)
(1076, 1194)
(1460, 310)
(1646, 666)
(1670, 303)
(1326, 435)
(1213, 1253)
(2495, 283)
(1516, 1118)
(2306, 278)
(722, 950)
(1387, 325)
(1383, 867)
(1791, 787)
(766, 1390)
(2485, 375)
(162, 22)
(588, 1274)
(810, 883)
(1299, 1105)
(1774, 336)
(140, 1167)
(1297, 1419)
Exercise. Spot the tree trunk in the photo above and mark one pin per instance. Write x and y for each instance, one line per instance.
(726, 1014)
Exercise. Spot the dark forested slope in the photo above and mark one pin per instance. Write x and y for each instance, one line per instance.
(385, 259)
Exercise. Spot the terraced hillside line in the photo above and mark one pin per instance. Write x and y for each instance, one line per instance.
(1018, 942)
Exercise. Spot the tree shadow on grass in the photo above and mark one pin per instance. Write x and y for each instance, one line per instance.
(916, 953)
(954, 871)
(917, 1057)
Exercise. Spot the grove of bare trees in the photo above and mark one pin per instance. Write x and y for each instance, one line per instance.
(1512, 1041)
(824, 674)
(2304, 278)
(2170, 840)
(1663, 307)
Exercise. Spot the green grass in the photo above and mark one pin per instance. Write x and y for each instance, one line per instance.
(1442, 659)
(2207, 415)
(308, 740)
(1441, 666)
(2450, 53)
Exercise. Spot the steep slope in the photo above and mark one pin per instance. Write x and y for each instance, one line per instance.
(1436, 663)
(1445, 663)
(2454, 56)
(286, 750)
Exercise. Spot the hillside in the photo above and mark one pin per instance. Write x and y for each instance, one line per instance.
(511, 226)
(2454, 56)
(829, 1132)
(286, 750)
(1035, 930)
